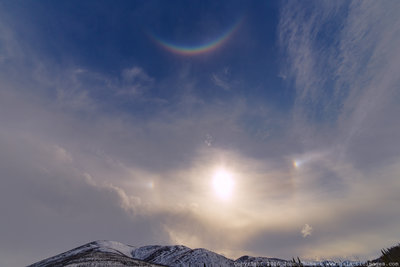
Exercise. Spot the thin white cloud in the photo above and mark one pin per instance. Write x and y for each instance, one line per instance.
(342, 58)
(306, 230)
(134, 81)
(220, 82)
(135, 74)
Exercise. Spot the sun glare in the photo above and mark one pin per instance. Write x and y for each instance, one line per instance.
(223, 184)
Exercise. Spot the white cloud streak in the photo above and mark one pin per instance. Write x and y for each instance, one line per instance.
(306, 230)
(342, 59)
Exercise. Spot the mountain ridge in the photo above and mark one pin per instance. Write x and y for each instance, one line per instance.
(112, 253)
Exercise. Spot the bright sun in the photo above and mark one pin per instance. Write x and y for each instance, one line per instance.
(223, 184)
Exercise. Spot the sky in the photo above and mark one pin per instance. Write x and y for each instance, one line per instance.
(263, 128)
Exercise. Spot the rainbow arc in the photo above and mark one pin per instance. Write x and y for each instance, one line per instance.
(206, 47)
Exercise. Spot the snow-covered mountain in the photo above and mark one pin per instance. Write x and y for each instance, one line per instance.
(98, 253)
(180, 256)
(111, 253)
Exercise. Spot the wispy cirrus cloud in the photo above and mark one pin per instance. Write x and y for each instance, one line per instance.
(342, 58)
(135, 81)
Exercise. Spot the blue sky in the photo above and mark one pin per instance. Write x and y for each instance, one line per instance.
(108, 38)
(105, 133)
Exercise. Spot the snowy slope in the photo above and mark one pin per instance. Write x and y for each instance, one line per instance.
(110, 253)
(180, 256)
(98, 253)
